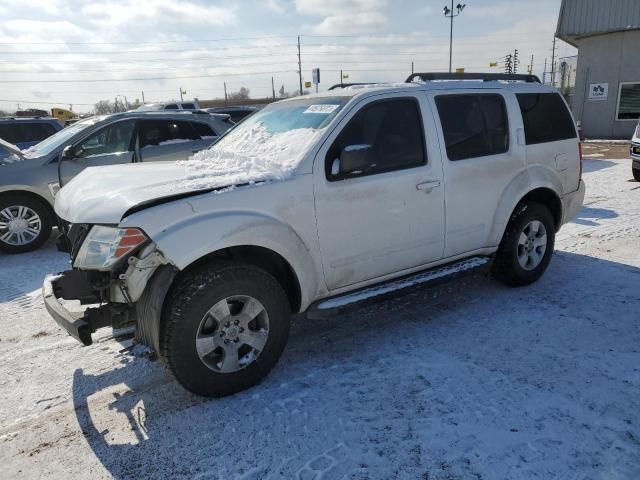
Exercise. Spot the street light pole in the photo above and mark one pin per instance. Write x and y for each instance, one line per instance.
(448, 12)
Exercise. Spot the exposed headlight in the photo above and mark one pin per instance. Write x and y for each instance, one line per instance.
(637, 134)
(104, 246)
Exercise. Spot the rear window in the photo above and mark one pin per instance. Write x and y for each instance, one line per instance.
(546, 118)
(26, 132)
(473, 125)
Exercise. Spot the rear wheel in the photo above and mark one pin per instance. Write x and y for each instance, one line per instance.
(636, 173)
(25, 223)
(224, 328)
(527, 245)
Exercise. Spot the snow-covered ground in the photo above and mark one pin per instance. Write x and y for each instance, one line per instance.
(473, 380)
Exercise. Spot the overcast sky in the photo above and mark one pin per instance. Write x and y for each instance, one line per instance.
(61, 52)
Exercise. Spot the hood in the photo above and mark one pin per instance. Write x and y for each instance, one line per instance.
(104, 194)
(244, 157)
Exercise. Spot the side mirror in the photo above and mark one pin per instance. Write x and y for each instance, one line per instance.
(67, 154)
(356, 158)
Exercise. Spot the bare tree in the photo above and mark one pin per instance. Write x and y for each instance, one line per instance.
(103, 106)
(242, 94)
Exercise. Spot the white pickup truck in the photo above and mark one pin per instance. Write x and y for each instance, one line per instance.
(315, 204)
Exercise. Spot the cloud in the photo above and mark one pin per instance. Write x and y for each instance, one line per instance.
(113, 13)
(344, 16)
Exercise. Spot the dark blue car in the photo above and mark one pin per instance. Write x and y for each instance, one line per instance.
(25, 132)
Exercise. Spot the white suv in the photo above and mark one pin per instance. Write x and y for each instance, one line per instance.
(314, 204)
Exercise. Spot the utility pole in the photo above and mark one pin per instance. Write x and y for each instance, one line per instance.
(531, 65)
(273, 88)
(544, 72)
(225, 94)
(448, 12)
(515, 61)
(340, 78)
(553, 62)
(299, 65)
(508, 64)
(181, 94)
(411, 68)
(143, 96)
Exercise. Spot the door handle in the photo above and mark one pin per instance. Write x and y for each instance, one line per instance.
(428, 185)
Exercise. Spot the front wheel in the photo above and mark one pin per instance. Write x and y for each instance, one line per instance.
(25, 223)
(527, 245)
(224, 328)
(636, 173)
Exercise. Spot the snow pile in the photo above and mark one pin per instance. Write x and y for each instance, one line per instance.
(248, 155)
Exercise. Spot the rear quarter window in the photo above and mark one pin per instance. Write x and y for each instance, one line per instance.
(546, 118)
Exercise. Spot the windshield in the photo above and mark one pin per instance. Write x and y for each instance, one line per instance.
(58, 140)
(268, 145)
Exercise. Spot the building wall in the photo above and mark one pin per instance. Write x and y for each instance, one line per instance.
(609, 58)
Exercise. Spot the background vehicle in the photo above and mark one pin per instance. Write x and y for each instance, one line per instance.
(315, 204)
(188, 105)
(25, 132)
(237, 114)
(635, 153)
(27, 187)
(63, 115)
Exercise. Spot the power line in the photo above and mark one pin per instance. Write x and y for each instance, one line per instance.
(151, 41)
(103, 80)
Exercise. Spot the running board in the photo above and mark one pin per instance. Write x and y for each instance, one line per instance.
(397, 287)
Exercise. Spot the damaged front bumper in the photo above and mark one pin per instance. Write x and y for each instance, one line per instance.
(73, 285)
(144, 312)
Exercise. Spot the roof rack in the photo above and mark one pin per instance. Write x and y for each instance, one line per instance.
(345, 85)
(485, 77)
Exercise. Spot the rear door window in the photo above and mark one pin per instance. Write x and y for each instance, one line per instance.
(35, 132)
(545, 117)
(473, 125)
(188, 106)
(204, 130)
(166, 132)
(26, 132)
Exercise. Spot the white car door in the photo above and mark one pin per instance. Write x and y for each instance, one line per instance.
(480, 159)
(378, 189)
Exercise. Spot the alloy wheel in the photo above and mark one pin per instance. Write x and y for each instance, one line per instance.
(232, 334)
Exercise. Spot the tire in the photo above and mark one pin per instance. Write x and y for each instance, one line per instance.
(189, 314)
(516, 264)
(35, 224)
(636, 173)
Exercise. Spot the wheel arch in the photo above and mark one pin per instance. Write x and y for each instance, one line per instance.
(33, 195)
(534, 184)
(260, 257)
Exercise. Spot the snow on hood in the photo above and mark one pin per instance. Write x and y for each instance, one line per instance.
(104, 194)
(248, 155)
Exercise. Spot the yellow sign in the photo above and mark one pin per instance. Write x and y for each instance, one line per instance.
(459, 70)
(345, 75)
(493, 64)
(307, 84)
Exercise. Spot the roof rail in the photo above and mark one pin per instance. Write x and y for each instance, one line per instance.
(485, 77)
(345, 85)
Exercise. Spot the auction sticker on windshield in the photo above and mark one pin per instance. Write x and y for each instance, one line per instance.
(321, 108)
